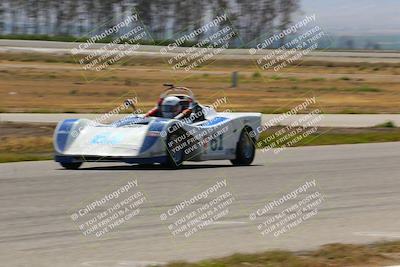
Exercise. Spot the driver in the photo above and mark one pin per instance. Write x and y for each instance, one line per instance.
(169, 107)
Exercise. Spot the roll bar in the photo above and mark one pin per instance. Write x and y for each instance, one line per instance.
(172, 88)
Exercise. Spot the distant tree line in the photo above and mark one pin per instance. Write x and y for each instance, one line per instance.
(251, 19)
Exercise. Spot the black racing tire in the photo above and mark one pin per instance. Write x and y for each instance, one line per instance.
(245, 149)
(146, 164)
(71, 165)
(174, 157)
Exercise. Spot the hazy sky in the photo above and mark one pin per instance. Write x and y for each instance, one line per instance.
(356, 16)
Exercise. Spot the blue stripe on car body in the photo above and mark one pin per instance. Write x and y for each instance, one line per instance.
(214, 121)
(63, 133)
(155, 126)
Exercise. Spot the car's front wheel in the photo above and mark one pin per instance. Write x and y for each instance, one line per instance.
(71, 165)
(175, 154)
(245, 149)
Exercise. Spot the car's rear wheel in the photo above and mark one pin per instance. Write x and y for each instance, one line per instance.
(175, 154)
(146, 164)
(245, 149)
(71, 165)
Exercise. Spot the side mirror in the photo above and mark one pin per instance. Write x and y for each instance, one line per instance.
(130, 102)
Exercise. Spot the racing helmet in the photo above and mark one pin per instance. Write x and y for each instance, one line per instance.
(171, 107)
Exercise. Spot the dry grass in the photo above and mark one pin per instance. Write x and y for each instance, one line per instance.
(25, 141)
(332, 255)
(31, 83)
(28, 144)
(334, 136)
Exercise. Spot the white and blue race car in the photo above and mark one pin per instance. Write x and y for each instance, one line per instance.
(203, 134)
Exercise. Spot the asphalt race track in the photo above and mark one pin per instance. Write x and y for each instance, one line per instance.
(360, 185)
(378, 56)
